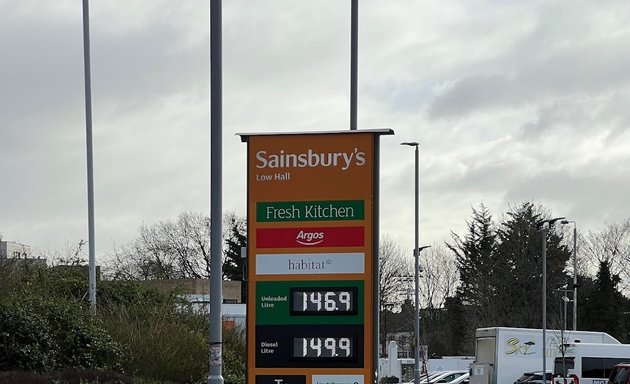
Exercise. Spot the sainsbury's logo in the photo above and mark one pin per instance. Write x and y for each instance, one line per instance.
(310, 159)
(309, 238)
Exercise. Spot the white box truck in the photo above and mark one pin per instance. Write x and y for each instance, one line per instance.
(588, 363)
(503, 354)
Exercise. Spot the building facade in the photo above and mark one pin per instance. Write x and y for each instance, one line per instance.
(14, 250)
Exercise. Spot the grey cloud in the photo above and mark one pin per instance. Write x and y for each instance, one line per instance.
(595, 198)
(562, 75)
(138, 69)
(281, 47)
(552, 115)
(471, 94)
(41, 76)
(557, 59)
(581, 116)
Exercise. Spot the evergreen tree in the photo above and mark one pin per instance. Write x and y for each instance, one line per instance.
(475, 260)
(604, 306)
(500, 269)
(460, 344)
(233, 263)
(519, 267)
(586, 286)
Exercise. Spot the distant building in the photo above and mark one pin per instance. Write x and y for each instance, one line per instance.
(15, 254)
(14, 250)
(198, 288)
(233, 315)
(197, 292)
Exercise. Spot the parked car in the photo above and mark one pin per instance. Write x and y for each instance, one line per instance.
(620, 374)
(447, 377)
(425, 379)
(463, 379)
(537, 379)
(524, 377)
(533, 377)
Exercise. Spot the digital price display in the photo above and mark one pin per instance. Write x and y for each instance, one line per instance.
(324, 301)
(310, 345)
(323, 348)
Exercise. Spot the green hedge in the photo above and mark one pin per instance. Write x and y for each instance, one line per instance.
(46, 328)
(46, 334)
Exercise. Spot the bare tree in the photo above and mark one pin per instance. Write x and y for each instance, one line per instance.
(121, 265)
(167, 250)
(179, 248)
(610, 244)
(394, 273)
(394, 270)
(439, 277)
(71, 254)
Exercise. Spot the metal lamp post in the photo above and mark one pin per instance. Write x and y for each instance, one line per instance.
(419, 369)
(543, 231)
(565, 300)
(215, 336)
(416, 253)
(575, 284)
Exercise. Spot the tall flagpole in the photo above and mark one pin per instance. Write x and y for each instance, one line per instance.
(354, 56)
(216, 242)
(90, 166)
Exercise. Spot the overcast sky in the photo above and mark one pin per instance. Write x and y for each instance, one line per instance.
(511, 101)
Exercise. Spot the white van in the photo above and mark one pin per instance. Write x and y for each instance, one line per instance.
(502, 354)
(588, 363)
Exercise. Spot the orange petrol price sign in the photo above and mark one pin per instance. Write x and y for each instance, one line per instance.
(312, 257)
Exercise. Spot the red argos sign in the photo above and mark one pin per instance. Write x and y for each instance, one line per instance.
(310, 237)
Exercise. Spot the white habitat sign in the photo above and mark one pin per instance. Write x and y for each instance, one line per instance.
(309, 263)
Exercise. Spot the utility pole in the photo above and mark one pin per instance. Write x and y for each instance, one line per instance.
(216, 174)
(354, 66)
(90, 162)
(543, 233)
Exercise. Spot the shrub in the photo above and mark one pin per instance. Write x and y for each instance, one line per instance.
(27, 343)
(169, 342)
(48, 334)
(234, 356)
(64, 377)
(46, 327)
(161, 342)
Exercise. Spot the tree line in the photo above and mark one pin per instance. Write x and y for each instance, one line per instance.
(488, 276)
(499, 276)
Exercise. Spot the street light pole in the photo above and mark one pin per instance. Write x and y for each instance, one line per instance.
(565, 300)
(420, 369)
(90, 156)
(575, 284)
(215, 336)
(416, 253)
(543, 231)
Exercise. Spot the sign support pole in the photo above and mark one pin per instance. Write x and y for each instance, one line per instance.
(216, 213)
